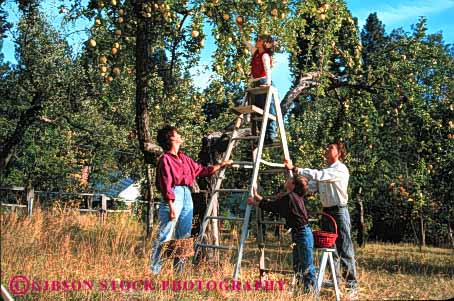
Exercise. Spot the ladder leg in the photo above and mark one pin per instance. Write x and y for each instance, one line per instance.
(333, 273)
(321, 272)
(244, 232)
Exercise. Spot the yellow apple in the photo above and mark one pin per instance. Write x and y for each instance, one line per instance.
(103, 59)
(109, 78)
(274, 12)
(92, 42)
(121, 12)
(116, 45)
(322, 17)
(120, 20)
(118, 32)
(103, 69)
(116, 71)
(98, 21)
(195, 33)
(114, 51)
(239, 20)
(113, 2)
(225, 17)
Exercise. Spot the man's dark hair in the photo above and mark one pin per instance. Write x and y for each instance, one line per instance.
(301, 185)
(164, 135)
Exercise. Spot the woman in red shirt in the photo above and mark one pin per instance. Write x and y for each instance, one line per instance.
(176, 173)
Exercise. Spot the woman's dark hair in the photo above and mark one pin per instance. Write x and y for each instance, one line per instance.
(164, 135)
(301, 185)
(266, 38)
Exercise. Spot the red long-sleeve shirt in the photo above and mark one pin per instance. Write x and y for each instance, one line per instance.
(178, 170)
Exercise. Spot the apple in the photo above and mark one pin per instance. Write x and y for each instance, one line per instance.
(114, 51)
(116, 45)
(121, 12)
(116, 71)
(103, 59)
(195, 33)
(226, 17)
(98, 21)
(113, 2)
(274, 12)
(103, 69)
(118, 32)
(120, 20)
(92, 42)
(325, 6)
(239, 20)
(109, 78)
(322, 17)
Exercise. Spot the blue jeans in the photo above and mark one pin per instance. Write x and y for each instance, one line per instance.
(260, 101)
(345, 255)
(181, 225)
(303, 255)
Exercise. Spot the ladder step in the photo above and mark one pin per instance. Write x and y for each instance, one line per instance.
(270, 116)
(236, 219)
(232, 190)
(262, 245)
(246, 138)
(217, 247)
(276, 271)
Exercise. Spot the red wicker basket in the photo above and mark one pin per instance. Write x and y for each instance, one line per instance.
(324, 239)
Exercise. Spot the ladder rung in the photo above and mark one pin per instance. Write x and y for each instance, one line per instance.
(246, 138)
(232, 190)
(217, 247)
(272, 223)
(237, 219)
(262, 245)
(272, 164)
(272, 171)
(277, 271)
(247, 109)
(275, 144)
(270, 116)
(244, 164)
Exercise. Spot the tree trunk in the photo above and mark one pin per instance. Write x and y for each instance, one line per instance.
(423, 230)
(150, 197)
(25, 121)
(361, 224)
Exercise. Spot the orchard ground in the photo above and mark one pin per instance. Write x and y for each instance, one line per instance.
(58, 246)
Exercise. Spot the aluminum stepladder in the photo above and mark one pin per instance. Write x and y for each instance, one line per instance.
(244, 116)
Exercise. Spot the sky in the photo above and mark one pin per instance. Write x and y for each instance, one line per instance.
(393, 13)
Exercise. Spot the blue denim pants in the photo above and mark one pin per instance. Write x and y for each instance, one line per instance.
(181, 225)
(344, 257)
(303, 255)
(259, 101)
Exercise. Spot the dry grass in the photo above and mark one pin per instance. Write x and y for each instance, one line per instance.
(64, 245)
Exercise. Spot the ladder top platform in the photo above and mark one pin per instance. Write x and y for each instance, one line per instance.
(261, 90)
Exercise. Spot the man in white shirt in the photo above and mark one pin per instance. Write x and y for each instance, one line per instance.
(332, 184)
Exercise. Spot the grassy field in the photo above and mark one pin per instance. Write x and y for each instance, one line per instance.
(58, 246)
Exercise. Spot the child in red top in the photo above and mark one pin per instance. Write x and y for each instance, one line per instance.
(261, 74)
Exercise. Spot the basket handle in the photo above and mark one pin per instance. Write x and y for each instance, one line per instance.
(331, 218)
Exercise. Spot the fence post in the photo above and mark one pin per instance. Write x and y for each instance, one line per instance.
(30, 195)
(103, 211)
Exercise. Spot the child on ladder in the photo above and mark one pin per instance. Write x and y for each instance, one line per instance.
(290, 205)
(261, 65)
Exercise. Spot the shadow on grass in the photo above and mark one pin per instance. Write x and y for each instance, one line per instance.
(407, 266)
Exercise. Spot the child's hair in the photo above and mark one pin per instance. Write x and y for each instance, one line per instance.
(266, 38)
(301, 185)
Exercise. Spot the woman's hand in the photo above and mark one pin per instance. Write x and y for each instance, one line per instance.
(288, 164)
(257, 196)
(172, 214)
(226, 163)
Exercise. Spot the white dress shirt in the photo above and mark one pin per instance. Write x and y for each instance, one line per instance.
(330, 182)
